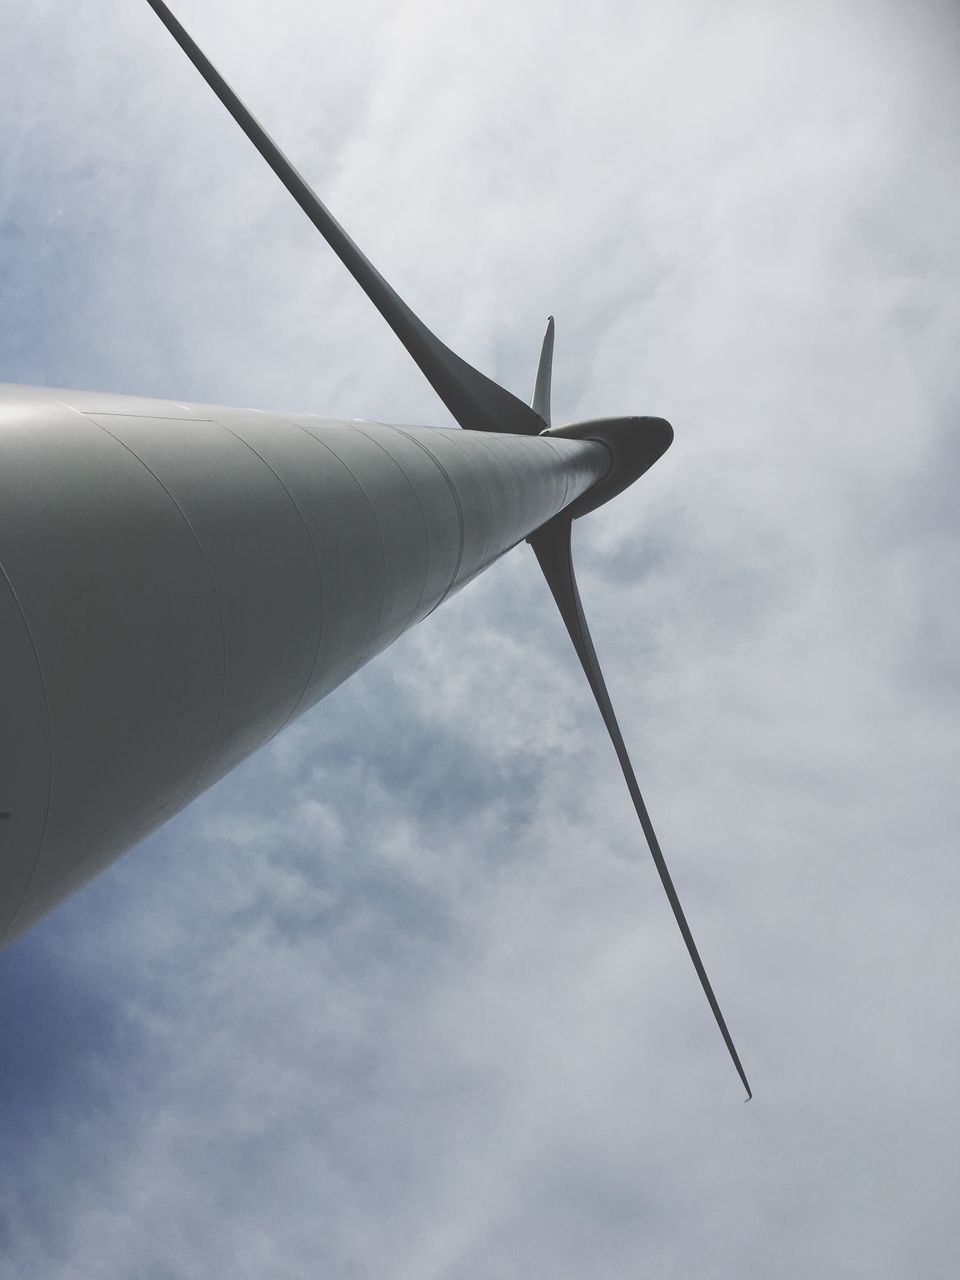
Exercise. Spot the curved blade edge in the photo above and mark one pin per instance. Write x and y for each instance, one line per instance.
(476, 402)
(540, 403)
(552, 547)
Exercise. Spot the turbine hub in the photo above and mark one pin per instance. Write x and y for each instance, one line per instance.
(634, 445)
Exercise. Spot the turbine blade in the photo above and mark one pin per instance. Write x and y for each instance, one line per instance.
(476, 401)
(551, 545)
(541, 391)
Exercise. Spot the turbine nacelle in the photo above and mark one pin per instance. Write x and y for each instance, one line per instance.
(634, 444)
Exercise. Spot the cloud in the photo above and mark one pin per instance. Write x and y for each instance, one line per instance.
(401, 994)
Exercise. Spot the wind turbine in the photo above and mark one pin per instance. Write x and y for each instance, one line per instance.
(178, 581)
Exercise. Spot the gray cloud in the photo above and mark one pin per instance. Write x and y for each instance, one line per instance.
(401, 995)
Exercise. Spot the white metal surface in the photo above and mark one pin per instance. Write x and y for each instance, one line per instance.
(178, 581)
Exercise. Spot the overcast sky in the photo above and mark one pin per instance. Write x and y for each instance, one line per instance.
(402, 996)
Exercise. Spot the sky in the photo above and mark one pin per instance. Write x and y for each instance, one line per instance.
(402, 995)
